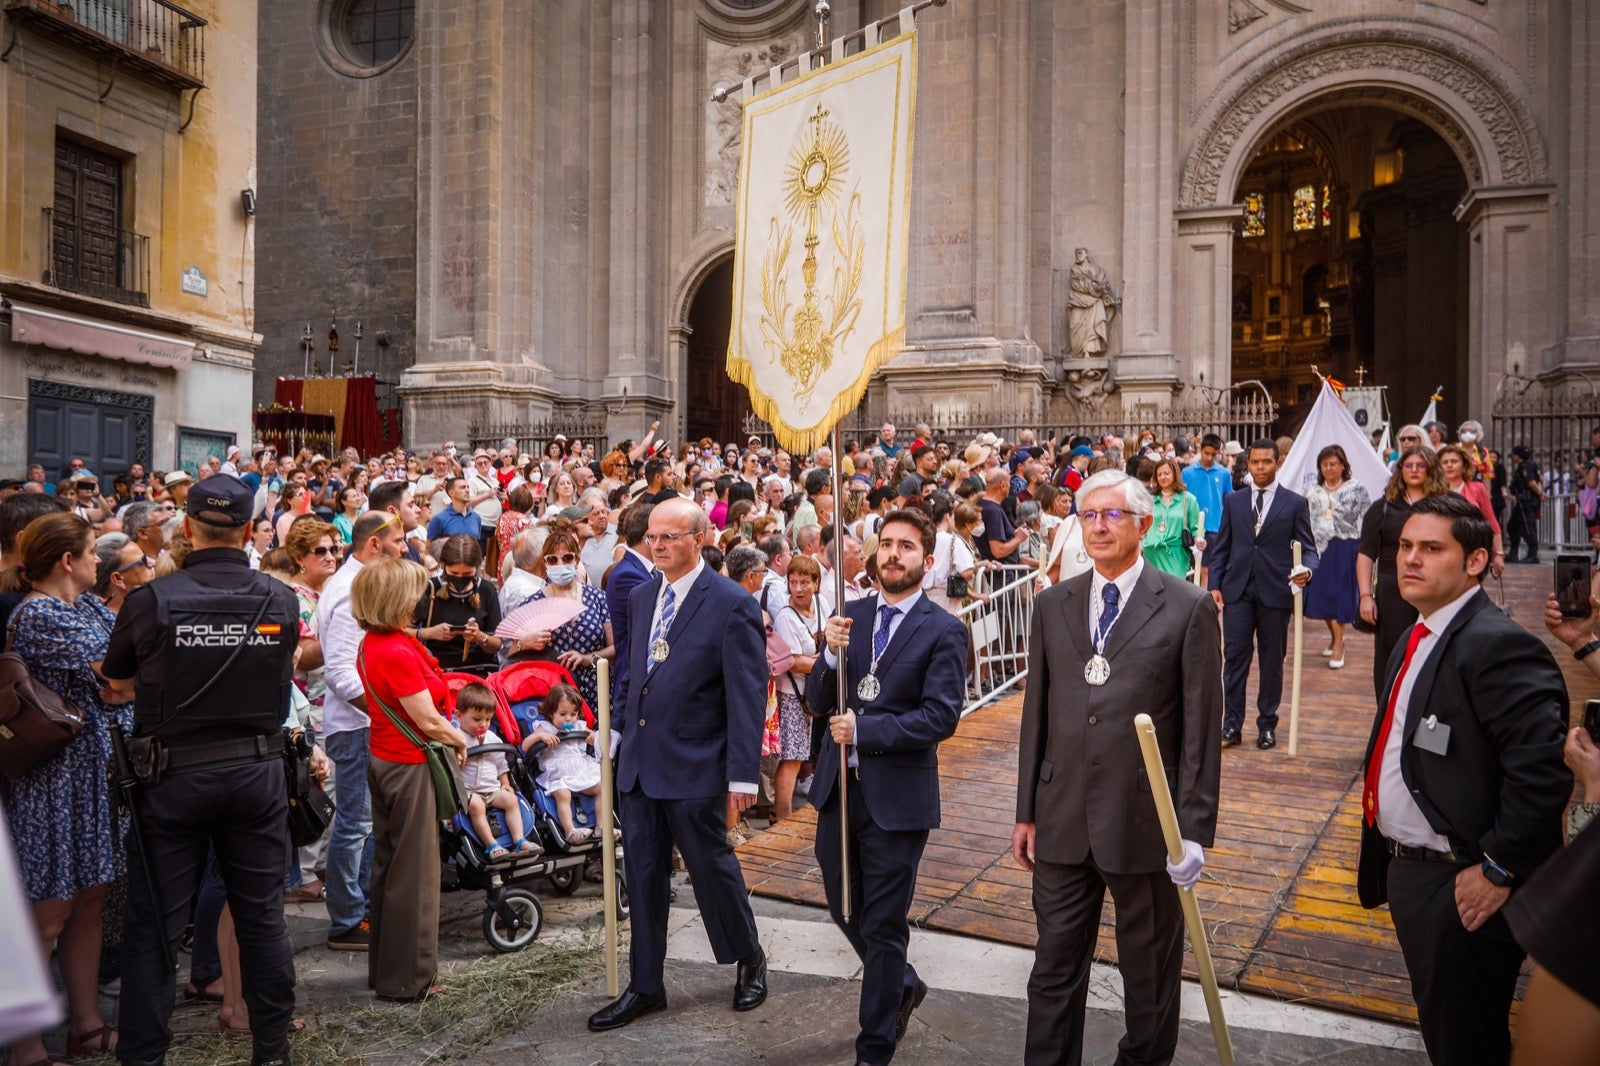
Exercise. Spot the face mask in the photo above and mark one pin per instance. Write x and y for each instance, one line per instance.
(1467, 436)
(977, 529)
(562, 575)
(460, 586)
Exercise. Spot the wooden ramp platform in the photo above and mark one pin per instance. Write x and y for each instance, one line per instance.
(1278, 897)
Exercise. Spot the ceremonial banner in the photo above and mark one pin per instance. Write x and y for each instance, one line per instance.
(820, 267)
(1330, 422)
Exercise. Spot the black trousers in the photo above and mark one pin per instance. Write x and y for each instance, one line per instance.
(1462, 982)
(241, 812)
(1245, 622)
(883, 877)
(1066, 904)
(1523, 528)
(700, 829)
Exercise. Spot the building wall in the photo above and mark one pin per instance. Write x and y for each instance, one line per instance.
(338, 199)
(181, 190)
(564, 235)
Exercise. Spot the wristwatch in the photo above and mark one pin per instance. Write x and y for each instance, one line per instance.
(1587, 650)
(1496, 874)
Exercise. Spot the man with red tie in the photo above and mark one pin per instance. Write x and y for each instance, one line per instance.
(1465, 784)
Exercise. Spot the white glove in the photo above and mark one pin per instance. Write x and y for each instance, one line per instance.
(1185, 873)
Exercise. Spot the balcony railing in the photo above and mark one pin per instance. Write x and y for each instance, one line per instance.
(95, 261)
(155, 37)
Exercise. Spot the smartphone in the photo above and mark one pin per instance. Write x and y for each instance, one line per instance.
(1591, 720)
(1573, 576)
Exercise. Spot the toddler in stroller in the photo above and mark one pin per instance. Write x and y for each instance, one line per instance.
(566, 765)
(486, 778)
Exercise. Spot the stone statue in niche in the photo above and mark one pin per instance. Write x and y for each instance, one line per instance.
(728, 65)
(1091, 304)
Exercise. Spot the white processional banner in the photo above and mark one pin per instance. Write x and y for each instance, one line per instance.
(1330, 422)
(819, 288)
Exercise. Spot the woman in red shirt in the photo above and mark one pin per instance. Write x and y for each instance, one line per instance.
(403, 680)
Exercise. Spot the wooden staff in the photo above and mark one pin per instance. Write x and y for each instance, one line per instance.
(1198, 555)
(1157, 774)
(1299, 649)
(608, 854)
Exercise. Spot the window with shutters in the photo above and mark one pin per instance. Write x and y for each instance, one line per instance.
(91, 251)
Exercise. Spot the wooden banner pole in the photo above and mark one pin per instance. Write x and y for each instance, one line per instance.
(1299, 651)
(1156, 772)
(608, 853)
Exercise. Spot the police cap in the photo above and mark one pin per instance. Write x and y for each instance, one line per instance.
(221, 500)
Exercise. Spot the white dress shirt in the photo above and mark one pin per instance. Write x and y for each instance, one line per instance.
(1125, 582)
(1399, 817)
(902, 609)
(1266, 503)
(340, 637)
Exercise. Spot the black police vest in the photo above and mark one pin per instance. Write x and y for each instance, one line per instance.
(224, 662)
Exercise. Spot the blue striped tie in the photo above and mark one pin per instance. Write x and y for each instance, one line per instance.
(668, 608)
(880, 639)
(1108, 614)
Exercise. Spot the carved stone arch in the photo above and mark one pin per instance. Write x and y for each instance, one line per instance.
(1317, 145)
(710, 253)
(1477, 111)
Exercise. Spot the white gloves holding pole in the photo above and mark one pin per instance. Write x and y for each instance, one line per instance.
(1185, 873)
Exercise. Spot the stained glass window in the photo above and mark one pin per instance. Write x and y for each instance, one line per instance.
(1327, 207)
(1305, 208)
(1255, 215)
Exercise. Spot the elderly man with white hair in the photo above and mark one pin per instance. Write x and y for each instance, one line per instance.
(523, 583)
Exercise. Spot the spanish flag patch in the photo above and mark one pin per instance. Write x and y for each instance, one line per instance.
(269, 629)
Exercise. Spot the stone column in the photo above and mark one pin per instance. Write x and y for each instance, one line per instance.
(1147, 371)
(1509, 311)
(637, 384)
(1203, 288)
(475, 229)
(967, 304)
(1581, 233)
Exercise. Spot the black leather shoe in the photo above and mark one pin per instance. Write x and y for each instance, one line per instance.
(630, 1006)
(1266, 740)
(750, 985)
(1230, 738)
(909, 1001)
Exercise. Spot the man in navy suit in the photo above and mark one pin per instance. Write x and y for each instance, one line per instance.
(905, 666)
(1250, 562)
(631, 571)
(690, 744)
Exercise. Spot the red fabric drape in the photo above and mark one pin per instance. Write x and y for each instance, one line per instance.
(289, 391)
(362, 429)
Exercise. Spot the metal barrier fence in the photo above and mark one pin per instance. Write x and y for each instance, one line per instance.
(1561, 525)
(999, 623)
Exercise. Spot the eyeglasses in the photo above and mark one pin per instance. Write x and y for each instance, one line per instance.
(665, 538)
(564, 559)
(143, 560)
(323, 549)
(1410, 440)
(1111, 514)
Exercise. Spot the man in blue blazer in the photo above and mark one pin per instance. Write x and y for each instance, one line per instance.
(1250, 562)
(631, 571)
(905, 667)
(690, 743)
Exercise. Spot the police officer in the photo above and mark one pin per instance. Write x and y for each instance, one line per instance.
(207, 654)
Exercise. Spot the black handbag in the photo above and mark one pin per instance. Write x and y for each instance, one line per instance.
(310, 809)
(36, 723)
(956, 588)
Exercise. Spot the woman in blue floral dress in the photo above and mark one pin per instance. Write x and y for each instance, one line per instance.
(69, 839)
(577, 644)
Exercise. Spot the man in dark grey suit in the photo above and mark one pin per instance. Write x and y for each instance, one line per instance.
(1122, 639)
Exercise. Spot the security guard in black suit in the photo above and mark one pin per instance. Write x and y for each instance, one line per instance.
(208, 655)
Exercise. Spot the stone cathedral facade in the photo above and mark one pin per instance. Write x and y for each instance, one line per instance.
(1119, 204)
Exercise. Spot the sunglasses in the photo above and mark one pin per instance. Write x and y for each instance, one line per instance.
(564, 559)
(143, 560)
(323, 549)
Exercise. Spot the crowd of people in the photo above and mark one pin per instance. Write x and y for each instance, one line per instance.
(403, 565)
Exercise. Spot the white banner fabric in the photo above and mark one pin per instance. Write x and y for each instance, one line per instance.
(819, 287)
(1330, 422)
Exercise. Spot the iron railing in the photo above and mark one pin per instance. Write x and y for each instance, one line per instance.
(998, 619)
(112, 264)
(159, 37)
(1241, 418)
(1555, 428)
(532, 437)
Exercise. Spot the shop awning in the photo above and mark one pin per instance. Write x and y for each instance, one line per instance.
(92, 336)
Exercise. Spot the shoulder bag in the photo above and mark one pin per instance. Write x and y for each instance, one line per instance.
(439, 757)
(36, 723)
